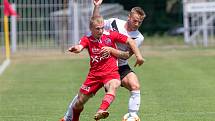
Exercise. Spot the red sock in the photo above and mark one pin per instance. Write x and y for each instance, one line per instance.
(76, 114)
(107, 100)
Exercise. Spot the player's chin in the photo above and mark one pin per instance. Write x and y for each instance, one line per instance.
(99, 35)
(135, 28)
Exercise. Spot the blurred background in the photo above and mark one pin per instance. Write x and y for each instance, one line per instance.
(162, 15)
(57, 24)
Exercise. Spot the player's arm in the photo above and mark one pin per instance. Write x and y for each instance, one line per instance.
(136, 51)
(76, 48)
(117, 53)
(97, 4)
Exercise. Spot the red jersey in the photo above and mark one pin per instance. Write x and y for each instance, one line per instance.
(102, 65)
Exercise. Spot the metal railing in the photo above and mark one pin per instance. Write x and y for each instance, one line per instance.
(53, 24)
(199, 19)
(47, 24)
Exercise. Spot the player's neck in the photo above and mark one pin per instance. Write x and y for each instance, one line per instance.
(96, 38)
(129, 29)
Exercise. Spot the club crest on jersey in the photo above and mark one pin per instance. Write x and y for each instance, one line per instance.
(108, 42)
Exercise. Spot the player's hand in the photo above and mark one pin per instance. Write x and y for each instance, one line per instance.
(105, 51)
(73, 49)
(97, 2)
(139, 61)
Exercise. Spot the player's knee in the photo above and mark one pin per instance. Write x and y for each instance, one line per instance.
(135, 86)
(113, 86)
(116, 84)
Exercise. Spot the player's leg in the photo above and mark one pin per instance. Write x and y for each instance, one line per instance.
(68, 114)
(87, 90)
(131, 82)
(76, 107)
(79, 105)
(111, 87)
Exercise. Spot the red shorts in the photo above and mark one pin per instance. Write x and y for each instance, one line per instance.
(93, 84)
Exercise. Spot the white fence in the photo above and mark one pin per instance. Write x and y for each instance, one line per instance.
(199, 22)
(52, 24)
(48, 24)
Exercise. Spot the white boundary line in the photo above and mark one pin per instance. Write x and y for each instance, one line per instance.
(4, 65)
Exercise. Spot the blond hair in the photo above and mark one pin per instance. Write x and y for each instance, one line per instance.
(96, 20)
(139, 11)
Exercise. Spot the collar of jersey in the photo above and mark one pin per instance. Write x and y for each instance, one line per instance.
(105, 32)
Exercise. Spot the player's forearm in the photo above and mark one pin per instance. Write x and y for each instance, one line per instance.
(96, 10)
(97, 4)
(79, 48)
(134, 47)
(76, 49)
(120, 54)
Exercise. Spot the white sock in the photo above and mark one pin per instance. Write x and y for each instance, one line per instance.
(134, 102)
(68, 114)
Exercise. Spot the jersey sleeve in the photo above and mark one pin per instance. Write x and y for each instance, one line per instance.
(117, 37)
(140, 40)
(84, 42)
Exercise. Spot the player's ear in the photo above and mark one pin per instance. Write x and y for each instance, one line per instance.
(129, 17)
(90, 27)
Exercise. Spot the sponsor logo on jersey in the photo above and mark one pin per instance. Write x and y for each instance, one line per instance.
(99, 58)
(96, 50)
(86, 88)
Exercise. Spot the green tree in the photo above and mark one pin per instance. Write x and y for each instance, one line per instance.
(162, 15)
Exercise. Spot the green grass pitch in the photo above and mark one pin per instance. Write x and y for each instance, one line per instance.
(176, 85)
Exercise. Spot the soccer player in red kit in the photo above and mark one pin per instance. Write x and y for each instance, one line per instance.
(103, 68)
(129, 27)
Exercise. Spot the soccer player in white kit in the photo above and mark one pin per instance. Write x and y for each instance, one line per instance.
(129, 28)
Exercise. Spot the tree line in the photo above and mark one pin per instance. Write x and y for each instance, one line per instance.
(162, 15)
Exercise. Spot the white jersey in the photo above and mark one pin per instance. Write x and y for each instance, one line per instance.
(119, 25)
